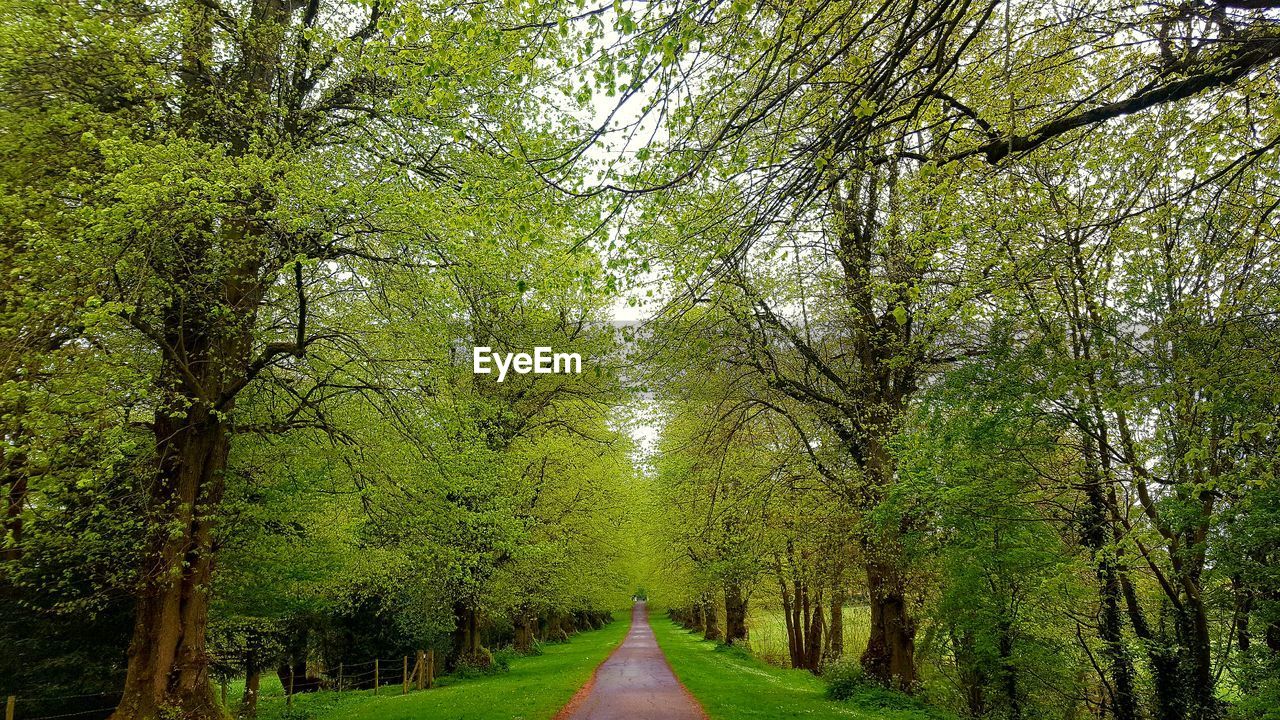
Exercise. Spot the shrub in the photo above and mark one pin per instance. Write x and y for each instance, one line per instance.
(502, 660)
(474, 664)
(845, 678)
(484, 662)
(847, 682)
(1263, 704)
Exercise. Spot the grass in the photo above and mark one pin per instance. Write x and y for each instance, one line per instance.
(768, 637)
(536, 687)
(731, 684)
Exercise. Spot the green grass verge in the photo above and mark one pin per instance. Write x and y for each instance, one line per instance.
(731, 684)
(535, 688)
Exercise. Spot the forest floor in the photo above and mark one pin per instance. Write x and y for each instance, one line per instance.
(731, 684)
(535, 688)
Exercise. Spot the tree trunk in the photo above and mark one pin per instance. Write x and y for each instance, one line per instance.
(798, 624)
(249, 703)
(835, 632)
(1110, 585)
(466, 632)
(205, 349)
(788, 618)
(1124, 701)
(735, 613)
(973, 681)
(1244, 606)
(1204, 703)
(711, 620)
(168, 664)
(891, 644)
(1009, 671)
(526, 625)
(813, 636)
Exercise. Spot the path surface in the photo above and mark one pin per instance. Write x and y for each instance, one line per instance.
(635, 683)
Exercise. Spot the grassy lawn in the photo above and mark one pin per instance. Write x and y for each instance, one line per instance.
(535, 688)
(731, 684)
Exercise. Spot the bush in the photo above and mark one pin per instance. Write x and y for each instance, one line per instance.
(484, 662)
(502, 660)
(845, 678)
(847, 682)
(474, 664)
(1263, 704)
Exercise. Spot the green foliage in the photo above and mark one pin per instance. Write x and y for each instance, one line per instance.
(848, 683)
(845, 679)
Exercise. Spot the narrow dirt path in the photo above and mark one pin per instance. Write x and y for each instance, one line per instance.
(635, 683)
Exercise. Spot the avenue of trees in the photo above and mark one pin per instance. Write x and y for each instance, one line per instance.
(963, 316)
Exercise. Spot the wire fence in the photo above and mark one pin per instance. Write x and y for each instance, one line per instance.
(410, 672)
(51, 707)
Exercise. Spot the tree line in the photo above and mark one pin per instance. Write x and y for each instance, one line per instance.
(247, 249)
(972, 323)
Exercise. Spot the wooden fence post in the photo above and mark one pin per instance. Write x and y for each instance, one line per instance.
(289, 700)
(431, 668)
(9, 707)
(404, 677)
(224, 692)
(422, 670)
(375, 676)
(339, 677)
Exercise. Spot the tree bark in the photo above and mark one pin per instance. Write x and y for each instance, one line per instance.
(973, 681)
(168, 664)
(711, 620)
(891, 645)
(466, 632)
(1009, 671)
(526, 625)
(205, 339)
(835, 633)
(813, 636)
(249, 703)
(735, 613)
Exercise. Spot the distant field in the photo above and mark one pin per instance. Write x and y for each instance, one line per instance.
(767, 633)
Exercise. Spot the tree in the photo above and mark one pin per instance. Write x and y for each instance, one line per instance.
(240, 186)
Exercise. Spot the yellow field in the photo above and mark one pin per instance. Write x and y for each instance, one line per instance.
(767, 633)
